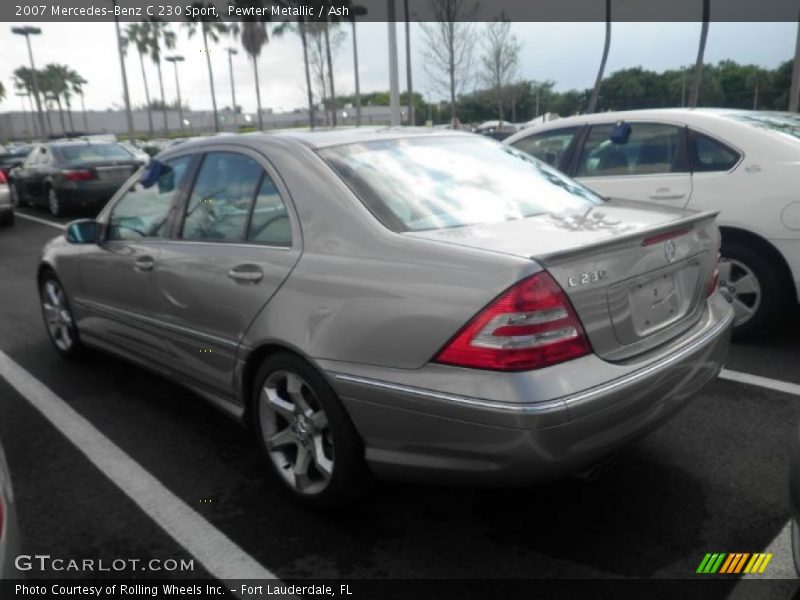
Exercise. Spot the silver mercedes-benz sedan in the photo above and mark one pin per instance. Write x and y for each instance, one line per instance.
(430, 305)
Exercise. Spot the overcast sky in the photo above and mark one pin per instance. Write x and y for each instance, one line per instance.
(568, 53)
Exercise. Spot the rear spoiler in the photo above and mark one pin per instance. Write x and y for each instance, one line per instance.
(687, 221)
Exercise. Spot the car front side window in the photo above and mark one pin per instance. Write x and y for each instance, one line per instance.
(142, 212)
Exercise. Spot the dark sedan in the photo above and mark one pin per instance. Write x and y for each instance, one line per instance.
(68, 175)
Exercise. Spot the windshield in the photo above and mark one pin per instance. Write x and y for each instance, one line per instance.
(782, 123)
(92, 152)
(415, 184)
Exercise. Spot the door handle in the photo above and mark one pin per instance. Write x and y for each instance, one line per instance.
(246, 274)
(144, 264)
(666, 194)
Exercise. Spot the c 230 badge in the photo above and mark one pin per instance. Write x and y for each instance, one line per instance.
(586, 278)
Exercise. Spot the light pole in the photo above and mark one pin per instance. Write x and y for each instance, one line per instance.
(231, 53)
(175, 60)
(127, 97)
(28, 32)
(394, 80)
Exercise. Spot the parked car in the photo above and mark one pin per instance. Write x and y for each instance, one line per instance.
(434, 304)
(6, 207)
(742, 163)
(9, 534)
(498, 130)
(71, 174)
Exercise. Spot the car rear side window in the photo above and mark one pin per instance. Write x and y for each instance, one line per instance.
(651, 148)
(707, 154)
(549, 146)
(270, 221)
(142, 212)
(221, 197)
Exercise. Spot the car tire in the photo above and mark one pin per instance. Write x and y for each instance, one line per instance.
(305, 433)
(752, 286)
(7, 218)
(58, 317)
(55, 203)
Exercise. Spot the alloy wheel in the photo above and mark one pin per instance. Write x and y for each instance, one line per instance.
(741, 288)
(58, 316)
(296, 432)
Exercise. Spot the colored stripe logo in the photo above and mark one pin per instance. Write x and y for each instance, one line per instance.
(733, 563)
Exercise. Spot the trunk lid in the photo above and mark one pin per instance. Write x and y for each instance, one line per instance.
(637, 274)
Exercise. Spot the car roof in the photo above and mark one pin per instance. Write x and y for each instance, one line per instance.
(356, 135)
(677, 114)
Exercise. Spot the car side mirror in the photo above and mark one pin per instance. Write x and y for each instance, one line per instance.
(82, 231)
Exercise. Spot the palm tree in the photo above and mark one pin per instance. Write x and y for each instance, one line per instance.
(211, 27)
(596, 91)
(302, 28)
(23, 81)
(160, 33)
(55, 85)
(694, 94)
(138, 35)
(254, 35)
(76, 83)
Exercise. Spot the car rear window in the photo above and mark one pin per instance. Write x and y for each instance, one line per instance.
(91, 152)
(416, 184)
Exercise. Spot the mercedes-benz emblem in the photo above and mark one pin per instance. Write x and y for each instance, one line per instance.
(670, 251)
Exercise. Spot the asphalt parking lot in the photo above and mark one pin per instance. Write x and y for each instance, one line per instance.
(714, 479)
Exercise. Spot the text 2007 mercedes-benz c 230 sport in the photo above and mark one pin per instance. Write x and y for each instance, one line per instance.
(430, 305)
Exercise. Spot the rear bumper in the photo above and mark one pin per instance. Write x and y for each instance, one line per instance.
(527, 433)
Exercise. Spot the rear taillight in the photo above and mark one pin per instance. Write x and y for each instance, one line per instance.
(3, 178)
(77, 174)
(530, 326)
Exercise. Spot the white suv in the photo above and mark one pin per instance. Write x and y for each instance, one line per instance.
(745, 164)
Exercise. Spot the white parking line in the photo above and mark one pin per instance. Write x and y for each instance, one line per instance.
(39, 220)
(765, 382)
(214, 550)
(781, 566)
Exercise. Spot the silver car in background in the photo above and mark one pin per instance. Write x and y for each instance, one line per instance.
(430, 305)
(9, 535)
